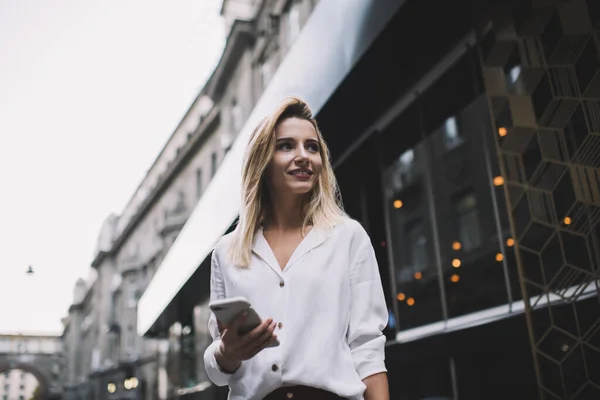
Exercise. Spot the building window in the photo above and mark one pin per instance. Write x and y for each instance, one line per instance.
(468, 221)
(452, 135)
(293, 22)
(213, 164)
(198, 183)
(266, 72)
(417, 243)
(514, 74)
(236, 116)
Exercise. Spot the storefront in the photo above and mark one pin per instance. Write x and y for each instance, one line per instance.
(465, 163)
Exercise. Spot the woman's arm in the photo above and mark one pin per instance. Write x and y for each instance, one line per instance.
(368, 317)
(377, 387)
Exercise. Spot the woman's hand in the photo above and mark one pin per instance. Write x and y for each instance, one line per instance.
(236, 348)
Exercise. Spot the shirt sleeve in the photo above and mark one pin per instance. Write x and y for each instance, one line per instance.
(368, 311)
(217, 292)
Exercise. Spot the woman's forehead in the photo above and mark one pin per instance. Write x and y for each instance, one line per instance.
(295, 127)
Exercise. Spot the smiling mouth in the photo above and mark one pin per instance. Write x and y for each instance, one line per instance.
(301, 172)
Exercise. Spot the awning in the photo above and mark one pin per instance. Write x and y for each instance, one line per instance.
(334, 38)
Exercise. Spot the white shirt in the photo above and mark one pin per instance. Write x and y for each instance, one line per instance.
(330, 301)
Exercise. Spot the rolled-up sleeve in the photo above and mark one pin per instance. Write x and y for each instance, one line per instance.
(368, 311)
(217, 292)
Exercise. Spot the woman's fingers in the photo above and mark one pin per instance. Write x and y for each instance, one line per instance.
(250, 337)
(266, 335)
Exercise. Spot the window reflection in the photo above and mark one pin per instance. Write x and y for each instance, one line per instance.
(451, 202)
(468, 221)
(451, 133)
(417, 287)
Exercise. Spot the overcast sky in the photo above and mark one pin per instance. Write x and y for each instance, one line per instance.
(89, 93)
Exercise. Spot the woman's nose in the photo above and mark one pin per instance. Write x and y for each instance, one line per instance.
(302, 156)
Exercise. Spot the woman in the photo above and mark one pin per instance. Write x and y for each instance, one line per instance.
(305, 265)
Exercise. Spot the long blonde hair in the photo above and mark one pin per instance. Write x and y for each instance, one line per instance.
(324, 206)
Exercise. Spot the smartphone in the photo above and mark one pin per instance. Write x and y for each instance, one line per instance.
(226, 310)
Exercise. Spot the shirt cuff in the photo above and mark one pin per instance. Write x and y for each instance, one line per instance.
(214, 371)
(369, 358)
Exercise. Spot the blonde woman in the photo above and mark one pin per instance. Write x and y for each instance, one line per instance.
(306, 267)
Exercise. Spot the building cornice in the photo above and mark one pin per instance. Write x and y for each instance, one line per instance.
(240, 36)
(207, 125)
(100, 256)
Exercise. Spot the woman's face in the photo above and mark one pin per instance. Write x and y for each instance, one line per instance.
(296, 163)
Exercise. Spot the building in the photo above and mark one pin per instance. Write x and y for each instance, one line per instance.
(465, 136)
(17, 385)
(30, 366)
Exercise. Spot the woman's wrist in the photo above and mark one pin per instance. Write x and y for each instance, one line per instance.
(226, 364)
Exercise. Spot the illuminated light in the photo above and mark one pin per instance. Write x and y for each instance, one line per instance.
(127, 384)
(398, 203)
(111, 387)
(134, 382)
(410, 301)
(456, 263)
(568, 220)
(499, 257)
(510, 242)
(418, 275)
(502, 131)
(456, 246)
(455, 278)
(498, 181)
(401, 296)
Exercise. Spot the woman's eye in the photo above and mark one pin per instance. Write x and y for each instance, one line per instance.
(284, 146)
(313, 147)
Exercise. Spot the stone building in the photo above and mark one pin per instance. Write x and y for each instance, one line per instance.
(106, 356)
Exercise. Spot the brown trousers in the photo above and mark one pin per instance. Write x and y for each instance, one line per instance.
(301, 393)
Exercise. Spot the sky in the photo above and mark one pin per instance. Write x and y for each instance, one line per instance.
(90, 91)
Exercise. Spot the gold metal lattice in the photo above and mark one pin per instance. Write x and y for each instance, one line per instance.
(541, 69)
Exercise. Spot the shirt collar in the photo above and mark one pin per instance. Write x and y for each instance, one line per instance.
(314, 238)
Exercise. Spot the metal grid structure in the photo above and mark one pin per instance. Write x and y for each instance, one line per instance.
(541, 66)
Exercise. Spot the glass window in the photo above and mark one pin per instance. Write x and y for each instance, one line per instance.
(450, 245)
(236, 116)
(467, 215)
(451, 133)
(266, 72)
(213, 164)
(412, 242)
(293, 22)
(198, 183)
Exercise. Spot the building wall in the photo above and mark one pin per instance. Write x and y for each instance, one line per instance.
(16, 384)
(100, 331)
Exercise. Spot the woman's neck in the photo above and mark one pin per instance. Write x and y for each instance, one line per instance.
(286, 213)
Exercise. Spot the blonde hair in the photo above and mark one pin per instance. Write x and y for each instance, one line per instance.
(324, 206)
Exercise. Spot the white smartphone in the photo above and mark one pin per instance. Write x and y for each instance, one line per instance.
(226, 310)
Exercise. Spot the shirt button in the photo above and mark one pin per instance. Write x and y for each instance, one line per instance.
(280, 325)
(290, 395)
(281, 284)
(274, 368)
